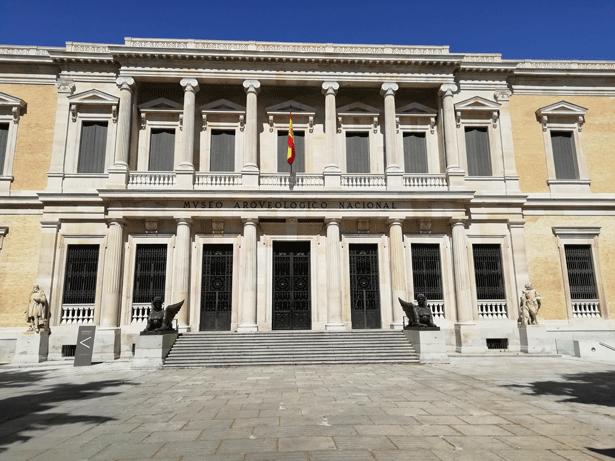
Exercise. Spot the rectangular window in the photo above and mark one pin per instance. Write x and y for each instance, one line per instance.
(299, 163)
(415, 152)
(426, 271)
(488, 271)
(80, 274)
(564, 155)
(93, 147)
(162, 149)
(222, 154)
(581, 278)
(150, 272)
(4, 136)
(357, 152)
(478, 152)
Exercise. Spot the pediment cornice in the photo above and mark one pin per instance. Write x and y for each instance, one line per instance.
(222, 106)
(358, 109)
(95, 97)
(161, 105)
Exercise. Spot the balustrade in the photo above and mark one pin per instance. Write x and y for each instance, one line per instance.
(151, 179)
(212, 180)
(140, 312)
(587, 308)
(364, 181)
(285, 180)
(492, 309)
(77, 314)
(425, 181)
(437, 309)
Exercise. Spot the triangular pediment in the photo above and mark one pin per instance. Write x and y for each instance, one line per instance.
(222, 106)
(358, 109)
(161, 105)
(478, 104)
(562, 108)
(290, 106)
(93, 97)
(11, 101)
(416, 109)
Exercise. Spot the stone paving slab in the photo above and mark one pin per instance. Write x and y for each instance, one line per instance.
(479, 408)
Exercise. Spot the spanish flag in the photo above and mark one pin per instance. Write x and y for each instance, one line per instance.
(290, 157)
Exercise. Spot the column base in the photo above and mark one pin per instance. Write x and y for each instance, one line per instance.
(469, 339)
(394, 177)
(118, 177)
(247, 328)
(535, 340)
(151, 350)
(429, 344)
(333, 177)
(107, 345)
(397, 325)
(335, 326)
(456, 179)
(31, 347)
(250, 175)
(184, 179)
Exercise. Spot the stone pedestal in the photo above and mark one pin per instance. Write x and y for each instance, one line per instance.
(106, 345)
(469, 339)
(429, 344)
(534, 340)
(151, 350)
(31, 347)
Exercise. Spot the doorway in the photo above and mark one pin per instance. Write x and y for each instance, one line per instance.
(291, 286)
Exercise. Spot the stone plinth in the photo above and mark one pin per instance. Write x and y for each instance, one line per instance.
(151, 350)
(31, 347)
(469, 339)
(107, 345)
(429, 344)
(535, 340)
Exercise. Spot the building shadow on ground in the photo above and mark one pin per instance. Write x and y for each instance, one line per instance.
(30, 412)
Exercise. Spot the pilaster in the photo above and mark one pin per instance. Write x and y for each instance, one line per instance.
(55, 176)
(508, 151)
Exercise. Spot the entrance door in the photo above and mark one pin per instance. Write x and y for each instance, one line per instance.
(364, 286)
(291, 286)
(216, 288)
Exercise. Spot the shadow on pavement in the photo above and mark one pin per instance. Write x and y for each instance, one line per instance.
(24, 415)
(587, 388)
(610, 452)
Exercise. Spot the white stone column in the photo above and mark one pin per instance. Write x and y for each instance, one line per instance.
(332, 170)
(55, 176)
(461, 269)
(181, 272)
(511, 177)
(454, 172)
(398, 271)
(393, 172)
(185, 169)
(112, 276)
(335, 320)
(250, 170)
(522, 275)
(247, 318)
(118, 173)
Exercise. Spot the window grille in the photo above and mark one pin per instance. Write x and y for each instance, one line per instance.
(93, 147)
(488, 271)
(497, 343)
(222, 152)
(564, 155)
(478, 152)
(69, 350)
(80, 275)
(581, 278)
(150, 272)
(426, 271)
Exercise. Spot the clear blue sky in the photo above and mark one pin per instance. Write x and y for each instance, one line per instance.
(539, 29)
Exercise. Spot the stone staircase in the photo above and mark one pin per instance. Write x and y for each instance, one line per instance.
(212, 349)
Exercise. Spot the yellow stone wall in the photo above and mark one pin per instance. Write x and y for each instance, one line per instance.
(18, 266)
(545, 265)
(598, 140)
(35, 135)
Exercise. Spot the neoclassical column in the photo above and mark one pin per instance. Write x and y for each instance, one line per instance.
(247, 313)
(398, 270)
(334, 290)
(332, 170)
(118, 172)
(461, 269)
(55, 176)
(388, 90)
(454, 171)
(185, 169)
(181, 272)
(250, 167)
(112, 276)
(511, 177)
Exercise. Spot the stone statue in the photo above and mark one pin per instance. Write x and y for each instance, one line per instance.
(161, 320)
(529, 306)
(38, 313)
(419, 314)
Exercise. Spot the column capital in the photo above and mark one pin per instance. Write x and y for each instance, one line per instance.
(335, 220)
(389, 88)
(447, 89)
(125, 83)
(246, 221)
(65, 86)
(454, 222)
(392, 221)
(190, 84)
(252, 86)
(502, 95)
(330, 87)
(186, 221)
(115, 221)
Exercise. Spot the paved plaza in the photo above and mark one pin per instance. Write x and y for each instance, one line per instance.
(511, 408)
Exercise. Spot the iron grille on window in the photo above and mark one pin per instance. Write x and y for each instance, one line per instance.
(581, 279)
(488, 271)
(80, 275)
(150, 272)
(426, 270)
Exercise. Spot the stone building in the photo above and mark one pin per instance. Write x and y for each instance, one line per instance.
(158, 168)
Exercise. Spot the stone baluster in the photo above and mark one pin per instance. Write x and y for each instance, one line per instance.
(332, 172)
(334, 294)
(454, 172)
(398, 270)
(185, 169)
(247, 320)
(181, 272)
(250, 170)
(118, 172)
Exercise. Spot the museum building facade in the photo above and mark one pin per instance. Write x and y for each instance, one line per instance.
(158, 168)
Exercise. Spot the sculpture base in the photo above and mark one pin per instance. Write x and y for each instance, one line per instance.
(107, 345)
(31, 347)
(151, 350)
(469, 339)
(429, 344)
(534, 340)
(153, 333)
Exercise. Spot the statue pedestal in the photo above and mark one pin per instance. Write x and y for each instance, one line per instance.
(429, 344)
(152, 349)
(469, 339)
(107, 345)
(534, 340)
(31, 347)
